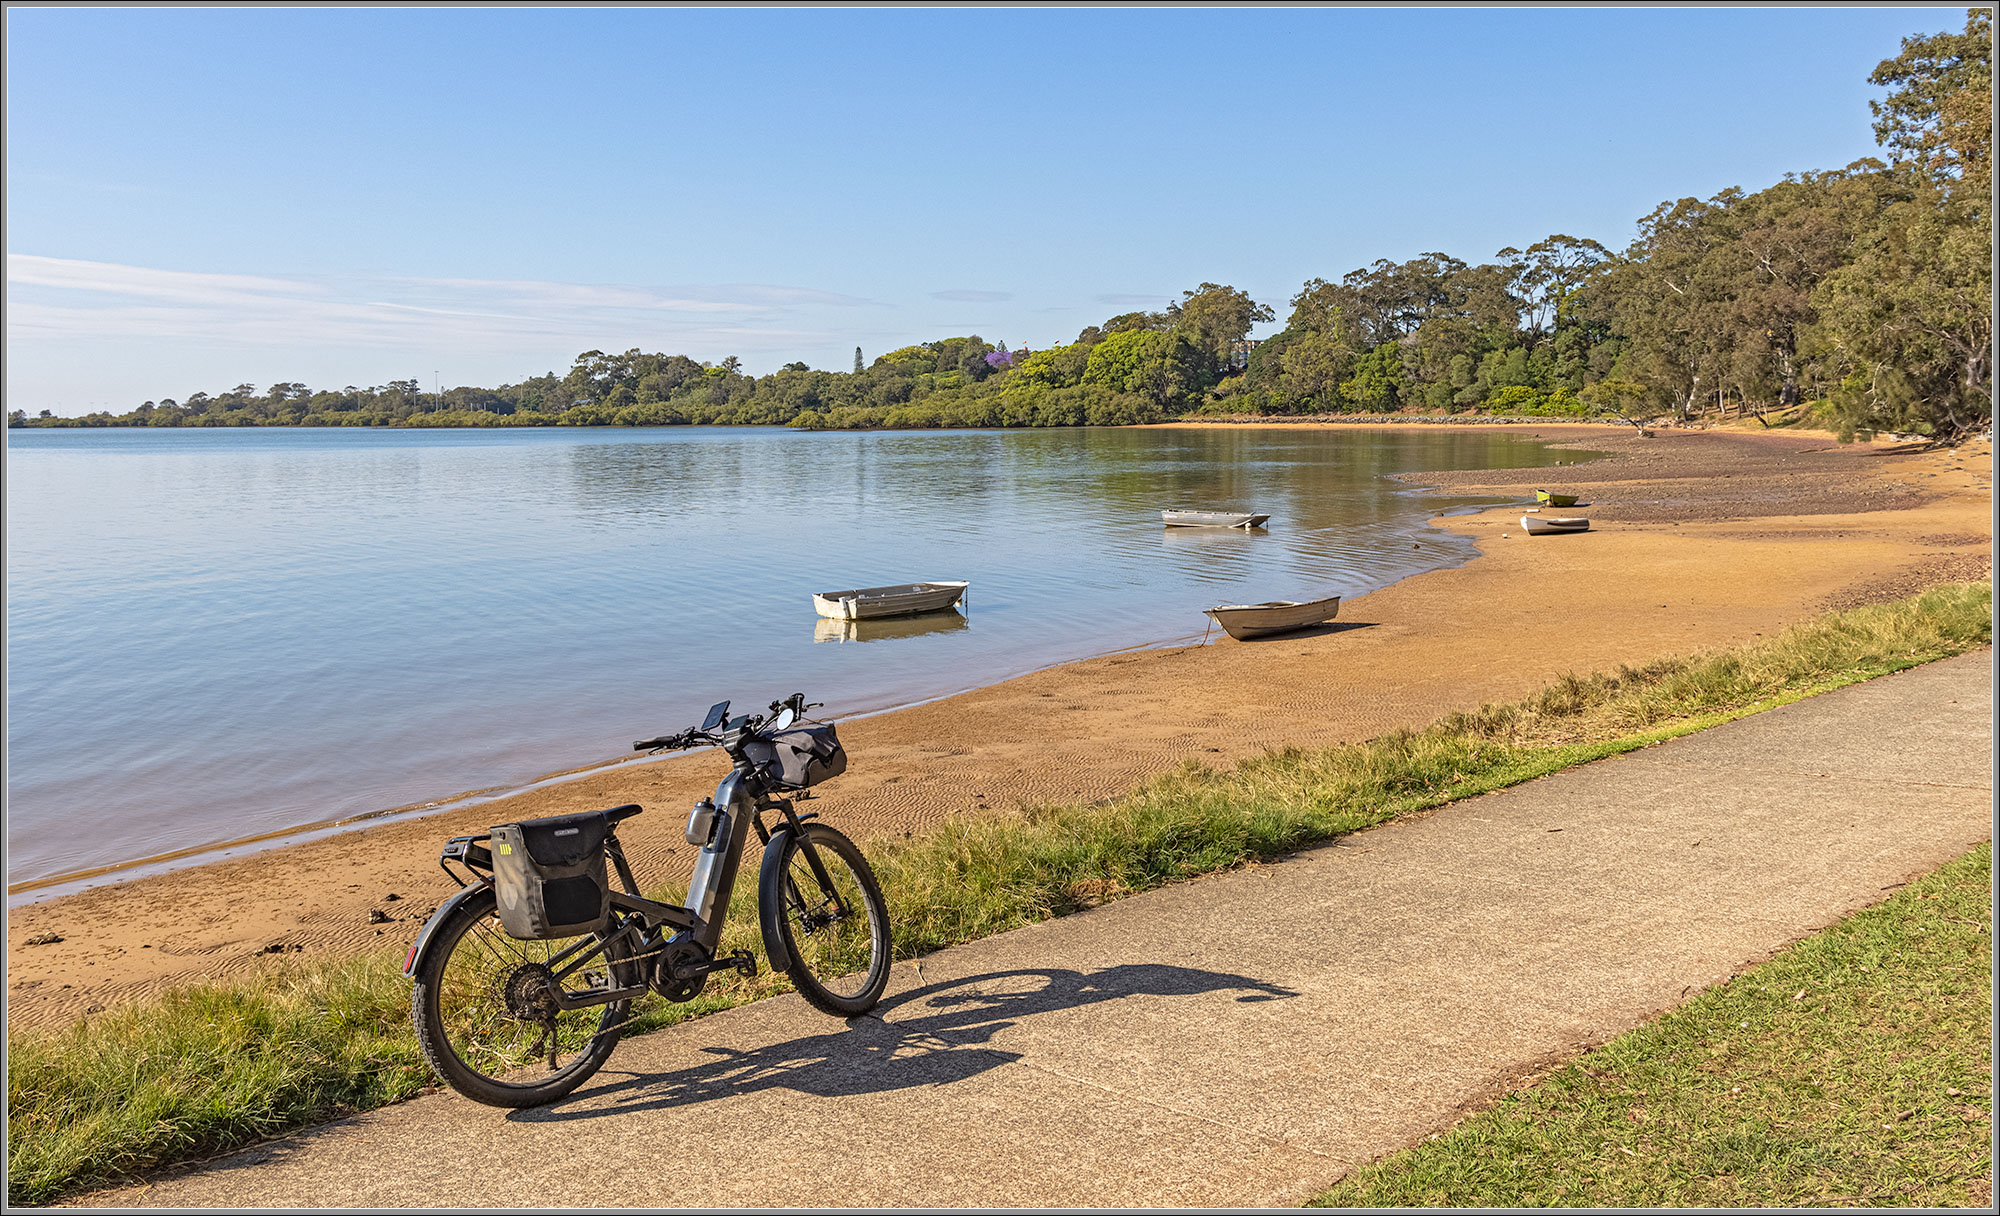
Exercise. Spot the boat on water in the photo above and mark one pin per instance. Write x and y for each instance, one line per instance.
(1555, 500)
(1547, 525)
(902, 599)
(1242, 621)
(1212, 519)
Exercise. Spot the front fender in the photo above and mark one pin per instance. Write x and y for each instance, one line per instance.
(771, 898)
(445, 909)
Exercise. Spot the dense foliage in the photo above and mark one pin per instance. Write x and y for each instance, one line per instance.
(1864, 292)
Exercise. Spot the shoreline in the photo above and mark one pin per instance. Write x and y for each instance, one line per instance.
(29, 892)
(1800, 523)
(39, 888)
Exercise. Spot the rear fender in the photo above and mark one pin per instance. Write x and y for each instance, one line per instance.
(445, 909)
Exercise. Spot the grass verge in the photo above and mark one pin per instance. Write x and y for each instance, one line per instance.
(1852, 1070)
(213, 1067)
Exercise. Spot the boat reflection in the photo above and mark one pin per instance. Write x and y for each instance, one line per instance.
(1209, 538)
(826, 629)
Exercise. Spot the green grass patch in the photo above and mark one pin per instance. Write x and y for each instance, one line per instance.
(205, 1068)
(216, 1066)
(1852, 1070)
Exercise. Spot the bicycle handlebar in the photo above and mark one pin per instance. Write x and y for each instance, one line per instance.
(693, 735)
(673, 743)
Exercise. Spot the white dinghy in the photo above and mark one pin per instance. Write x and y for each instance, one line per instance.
(1242, 621)
(903, 599)
(1548, 525)
(1212, 519)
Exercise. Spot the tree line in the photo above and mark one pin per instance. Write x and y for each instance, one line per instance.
(1860, 297)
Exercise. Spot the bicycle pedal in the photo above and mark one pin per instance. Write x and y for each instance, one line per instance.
(745, 965)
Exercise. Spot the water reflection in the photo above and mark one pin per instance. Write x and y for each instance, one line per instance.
(826, 629)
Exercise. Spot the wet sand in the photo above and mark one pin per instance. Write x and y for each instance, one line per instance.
(1702, 539)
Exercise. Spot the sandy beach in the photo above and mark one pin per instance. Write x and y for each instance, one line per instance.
(1701, 539)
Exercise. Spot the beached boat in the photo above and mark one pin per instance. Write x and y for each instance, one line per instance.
(1555, 500)
(1277, 616)
(1546, 525)
(1212, 519)
(903, 599)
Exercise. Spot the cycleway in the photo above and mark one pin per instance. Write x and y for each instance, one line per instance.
(1241, 1040)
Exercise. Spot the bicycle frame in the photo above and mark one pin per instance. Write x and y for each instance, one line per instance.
(740, 801)
(525, 977)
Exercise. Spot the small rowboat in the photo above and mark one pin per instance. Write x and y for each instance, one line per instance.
(1212, 519)
(1242, 621)
(1545, 525)
(903, 599)
(1555, 500)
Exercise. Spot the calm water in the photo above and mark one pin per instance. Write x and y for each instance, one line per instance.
(217, 634)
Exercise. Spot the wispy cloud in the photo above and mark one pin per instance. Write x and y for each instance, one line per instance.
(56, 298)
(145, 281)
(962, 295)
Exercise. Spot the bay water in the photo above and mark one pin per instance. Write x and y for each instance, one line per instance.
(215, 635)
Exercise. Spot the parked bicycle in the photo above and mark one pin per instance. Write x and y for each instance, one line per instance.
(526, 976)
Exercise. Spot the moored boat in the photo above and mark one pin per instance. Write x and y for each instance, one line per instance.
(1212, 519)
(1546, 525)
(1555, 500)
(1242, 621)
(902, 599)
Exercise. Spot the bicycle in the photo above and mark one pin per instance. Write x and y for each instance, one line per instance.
(524, 978)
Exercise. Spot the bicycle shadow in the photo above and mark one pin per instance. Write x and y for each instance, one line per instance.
(886, 1051)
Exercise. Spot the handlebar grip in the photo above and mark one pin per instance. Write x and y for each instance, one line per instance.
(649, 744)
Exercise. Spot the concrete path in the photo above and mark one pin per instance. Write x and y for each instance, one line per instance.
(1243, 1040)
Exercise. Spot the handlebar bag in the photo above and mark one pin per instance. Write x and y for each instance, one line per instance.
(794, 759)
(548, 876)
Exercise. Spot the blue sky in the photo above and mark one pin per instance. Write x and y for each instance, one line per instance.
(202, 197)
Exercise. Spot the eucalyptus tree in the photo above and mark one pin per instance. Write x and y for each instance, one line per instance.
(1547, 277)
(1912, 311)
(1672, 298)
(1215, 318)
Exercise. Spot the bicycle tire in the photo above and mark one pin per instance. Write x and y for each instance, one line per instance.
(475, 1042)
(839, 971)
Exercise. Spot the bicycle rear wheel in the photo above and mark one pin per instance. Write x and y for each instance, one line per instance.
(830, 918)
(485, 1012)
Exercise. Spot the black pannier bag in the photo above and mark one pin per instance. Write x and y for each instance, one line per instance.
(794, 759)
(548, 876)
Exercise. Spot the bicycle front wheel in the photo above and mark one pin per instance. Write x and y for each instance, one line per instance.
(819, 898)
(486, 1015)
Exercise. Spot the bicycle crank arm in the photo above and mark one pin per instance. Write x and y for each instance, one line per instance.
(739, 960)
(594, 996)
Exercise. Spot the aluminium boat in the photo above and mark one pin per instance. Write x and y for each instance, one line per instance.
(1548, 525)
(1212, 519)
(1242, 621)
(902, 599)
